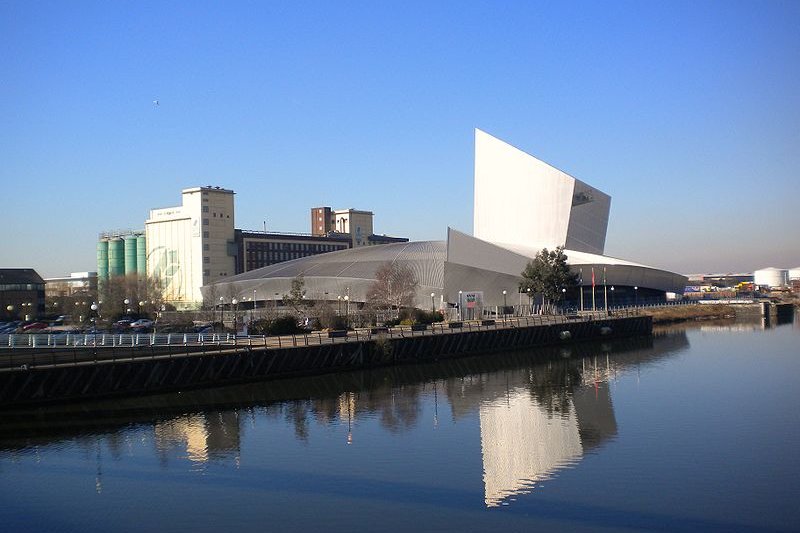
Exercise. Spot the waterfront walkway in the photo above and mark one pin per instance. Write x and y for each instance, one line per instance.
(24, 352)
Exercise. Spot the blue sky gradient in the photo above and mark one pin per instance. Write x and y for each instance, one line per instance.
(686, 113)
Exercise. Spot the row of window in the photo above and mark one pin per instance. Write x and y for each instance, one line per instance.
(21, 287)
(294, 246)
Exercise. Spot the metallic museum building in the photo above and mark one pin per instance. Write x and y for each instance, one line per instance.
(521, 205)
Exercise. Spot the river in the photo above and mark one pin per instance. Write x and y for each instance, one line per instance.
(693, 429)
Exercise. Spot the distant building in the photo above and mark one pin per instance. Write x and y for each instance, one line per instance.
(355, 223)
(21, 294)
(256, 249)
(75, 283)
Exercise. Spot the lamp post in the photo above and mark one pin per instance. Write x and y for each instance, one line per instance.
(530, 304)
(612, 296)
(460, 303)
(636, 296)
(126, 301)
(10, 309)
(222, 311)
(504, 302)
(235, 303)
(339, 304)
(347, 309)
(563, 298)
(433, 305)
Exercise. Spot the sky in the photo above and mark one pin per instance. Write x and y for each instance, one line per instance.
(686, 113)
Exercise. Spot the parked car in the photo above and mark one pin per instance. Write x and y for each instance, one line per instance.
(142, 323)
(35, 326)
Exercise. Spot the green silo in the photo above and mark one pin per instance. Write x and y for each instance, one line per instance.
(130, 254)
(102, 260)
(116, 257)
(141, 255)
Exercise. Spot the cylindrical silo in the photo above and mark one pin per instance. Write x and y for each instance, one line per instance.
(116, 257)
(141, 255)
(102, 260)
(794, 273)
(130, 254)
(771, 277)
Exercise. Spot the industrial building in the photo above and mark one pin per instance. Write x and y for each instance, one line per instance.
(121, 253)
(196, 243)
(521, 206)
(774, 278)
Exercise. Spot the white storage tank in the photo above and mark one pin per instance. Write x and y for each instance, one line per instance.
(794, 273)
(771, 277)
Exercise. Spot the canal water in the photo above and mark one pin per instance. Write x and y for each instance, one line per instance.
(694, 429)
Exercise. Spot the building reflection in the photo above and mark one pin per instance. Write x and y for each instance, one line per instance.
(538, 411)
(206, 436)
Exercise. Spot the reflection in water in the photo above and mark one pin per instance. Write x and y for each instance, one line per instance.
(538, 411)
(206, 435)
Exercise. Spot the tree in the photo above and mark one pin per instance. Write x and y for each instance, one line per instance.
(296, 297)
(547, 274)
(395, 286)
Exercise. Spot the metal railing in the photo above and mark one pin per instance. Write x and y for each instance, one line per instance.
(26, 351)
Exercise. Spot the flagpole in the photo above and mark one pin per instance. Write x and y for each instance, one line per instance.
(581, 287)
(594, 304)
(605, 291)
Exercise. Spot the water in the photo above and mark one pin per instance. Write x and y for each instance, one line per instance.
(695, 429)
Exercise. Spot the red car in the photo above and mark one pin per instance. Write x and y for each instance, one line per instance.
(34, 326)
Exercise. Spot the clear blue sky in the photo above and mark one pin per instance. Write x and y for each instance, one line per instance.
(686, 113)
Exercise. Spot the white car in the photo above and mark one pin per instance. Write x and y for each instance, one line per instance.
(142, 323)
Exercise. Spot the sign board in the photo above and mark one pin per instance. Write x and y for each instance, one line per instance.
(473, 299)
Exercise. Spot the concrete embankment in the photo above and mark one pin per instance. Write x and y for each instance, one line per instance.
(712, 311)
(57, 383)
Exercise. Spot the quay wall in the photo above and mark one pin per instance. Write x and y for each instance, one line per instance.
(251, 363)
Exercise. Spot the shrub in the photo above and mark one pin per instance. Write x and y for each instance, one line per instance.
(282, 325)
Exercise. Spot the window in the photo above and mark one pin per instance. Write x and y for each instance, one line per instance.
(205, 222)
(206, 259)
(205, 209)
(206, 273)
(206, 247)
(205, 235)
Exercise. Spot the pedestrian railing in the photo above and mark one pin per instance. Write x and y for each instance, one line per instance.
(26, 351)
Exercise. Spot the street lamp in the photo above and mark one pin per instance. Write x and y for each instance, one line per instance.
(222, 311)
(347, 309)
(433, 305)
(636, 296)
(126, 301)
(530, 304)
(339, 303)
(460, 303)
(234, 303)
(504, 301)
(563, 297)
(612, 296)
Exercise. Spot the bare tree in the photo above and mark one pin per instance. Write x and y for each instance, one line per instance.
(395, 287)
